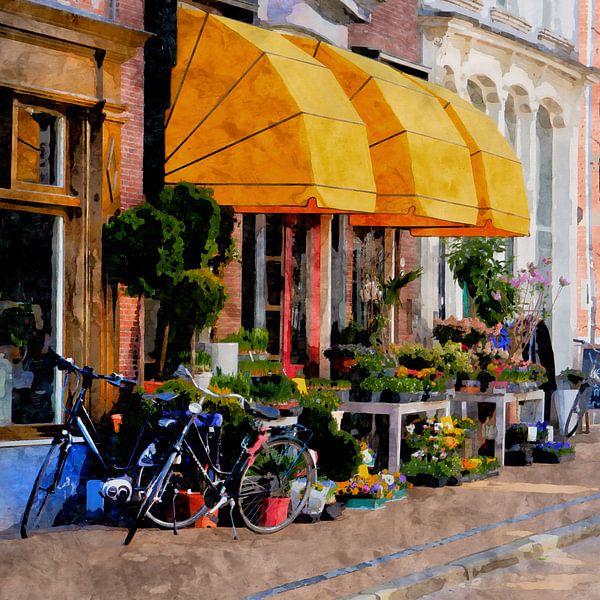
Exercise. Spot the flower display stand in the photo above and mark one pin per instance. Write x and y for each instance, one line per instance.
(365, 503)
(503, 401)
(273, 511)
(396, 412)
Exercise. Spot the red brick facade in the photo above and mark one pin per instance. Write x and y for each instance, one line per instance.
(131, 14)
(589, 155)
(231, 316)
(393, 29)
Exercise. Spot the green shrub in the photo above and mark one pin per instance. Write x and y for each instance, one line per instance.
(338, 452)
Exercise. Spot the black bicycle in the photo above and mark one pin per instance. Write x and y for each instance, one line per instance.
(269, 482)
(118, 480)
(274, 467)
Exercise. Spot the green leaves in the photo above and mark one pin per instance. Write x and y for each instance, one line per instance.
(143, 249)
(391, 288)
(476, 267)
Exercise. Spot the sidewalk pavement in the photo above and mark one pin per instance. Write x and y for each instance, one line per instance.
(435, 538)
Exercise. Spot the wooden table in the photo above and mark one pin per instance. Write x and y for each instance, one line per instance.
(502, 401)
(396, 411)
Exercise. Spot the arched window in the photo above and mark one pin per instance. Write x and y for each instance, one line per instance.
(543, 213)
(476, 95)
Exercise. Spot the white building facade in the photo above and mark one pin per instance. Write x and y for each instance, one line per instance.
(517, 61)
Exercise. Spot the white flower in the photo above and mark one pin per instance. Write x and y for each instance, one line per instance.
(434, 459)
(437, 426)
(388, 478)
(410, 429)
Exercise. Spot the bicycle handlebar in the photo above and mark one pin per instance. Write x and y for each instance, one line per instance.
(64, 364)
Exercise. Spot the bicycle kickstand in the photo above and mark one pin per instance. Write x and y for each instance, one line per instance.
(174, 517)
(231, 507)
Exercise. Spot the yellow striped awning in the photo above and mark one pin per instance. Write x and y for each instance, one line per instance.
(262, 123)
(498, 174)
(421, 162)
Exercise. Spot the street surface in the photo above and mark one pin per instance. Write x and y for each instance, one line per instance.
(325, 560)
(571, 572)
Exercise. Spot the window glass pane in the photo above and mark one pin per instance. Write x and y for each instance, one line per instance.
(28, 307)
(299, 342)
(40, 146)
(367, 272)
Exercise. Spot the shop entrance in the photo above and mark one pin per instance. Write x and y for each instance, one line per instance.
(281, 285)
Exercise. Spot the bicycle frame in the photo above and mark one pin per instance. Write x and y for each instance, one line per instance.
(79, 416)
(225, 481)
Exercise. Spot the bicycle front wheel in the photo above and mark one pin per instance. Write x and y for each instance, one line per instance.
(173, 505)
(275, 486)
(44, 486)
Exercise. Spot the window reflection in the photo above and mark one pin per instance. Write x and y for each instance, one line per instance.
(40, 146)
(27, 315)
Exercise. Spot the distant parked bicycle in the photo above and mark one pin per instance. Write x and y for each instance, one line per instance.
(273, 462)
(581, 403)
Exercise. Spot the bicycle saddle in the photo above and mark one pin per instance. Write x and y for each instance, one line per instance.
(264, 412)
(162, 397)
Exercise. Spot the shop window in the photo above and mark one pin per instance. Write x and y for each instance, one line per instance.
(367, 272)
(39, 150)
(30, 308)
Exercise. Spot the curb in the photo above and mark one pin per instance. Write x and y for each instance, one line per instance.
(467, 568)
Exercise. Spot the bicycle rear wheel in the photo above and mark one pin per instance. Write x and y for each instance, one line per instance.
(274, 488)
(173, 505)
(44, 486)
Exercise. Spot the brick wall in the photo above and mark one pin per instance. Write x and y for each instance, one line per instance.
(103, 8)
(230, 319)
(393, 29)
(582, 242)
(131, 14)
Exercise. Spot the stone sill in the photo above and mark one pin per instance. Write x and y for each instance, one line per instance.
(475, 5)
(511, 20)
(551, 39)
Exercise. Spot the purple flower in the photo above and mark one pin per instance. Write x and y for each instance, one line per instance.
(563, 281)
(547, 260)
(515, 282)
(496, 296)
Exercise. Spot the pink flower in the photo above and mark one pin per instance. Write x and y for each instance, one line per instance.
(496, 296)
(547, 260)
(563, 281)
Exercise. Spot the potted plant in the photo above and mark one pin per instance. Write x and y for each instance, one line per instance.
(553, 452)
(260, 368)
(252, 343)
(338, 387)
(570, 379)
(366, 491)
(201, 370)
(173, 249)
(436, 461)
(395, 389)
(375, 361)
(479, 467)
(468, 332)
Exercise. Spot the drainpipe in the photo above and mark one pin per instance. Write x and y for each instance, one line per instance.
(588, 179)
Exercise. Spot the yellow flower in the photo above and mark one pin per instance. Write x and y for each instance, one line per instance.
(363, 471)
